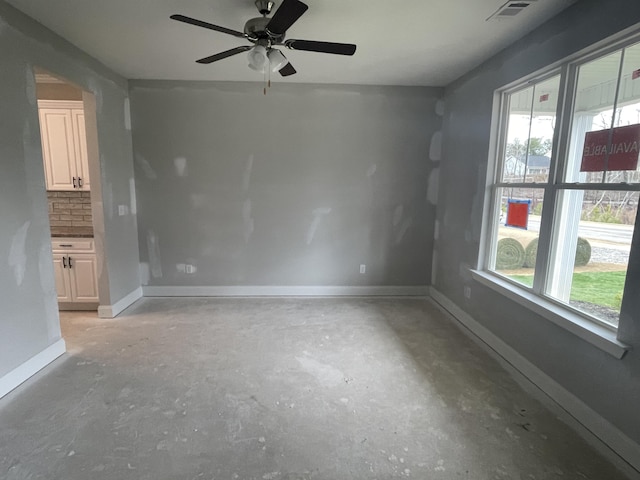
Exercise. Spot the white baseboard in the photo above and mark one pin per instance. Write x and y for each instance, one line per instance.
(32, 366)
(285, 291)
(599, 432)
(111, 311)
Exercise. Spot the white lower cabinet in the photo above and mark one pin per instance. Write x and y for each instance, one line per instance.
(76, 272)
(63, 285)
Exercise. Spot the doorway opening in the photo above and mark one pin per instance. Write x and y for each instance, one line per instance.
(68, 131)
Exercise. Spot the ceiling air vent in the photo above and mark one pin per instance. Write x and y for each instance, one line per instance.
(511, 9)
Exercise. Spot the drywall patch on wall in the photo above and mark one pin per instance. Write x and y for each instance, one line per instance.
(435, 150)
(153, 247)
(180, 165)
(30, 86)
(94, 88)
(198, 200)
(434, 267)
(132, 197)
(48, 290)
(247, 221)
(146, 167)
(433, 186)
(127, 114)
(439, 108)
(371, 171)
(17, 253)
(318, 214)
(27, 142)
(464, 270)
(402, 231)
(145, 273)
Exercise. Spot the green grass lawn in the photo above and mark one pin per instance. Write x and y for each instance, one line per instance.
(600, 288)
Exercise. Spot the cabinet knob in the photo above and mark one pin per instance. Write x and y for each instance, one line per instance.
(74, 182)
(64, 262)
(69, 262)
(79, 182)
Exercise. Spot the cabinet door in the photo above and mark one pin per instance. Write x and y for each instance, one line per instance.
(84, 278)
(80, 142)
(63, 285)
(58, 150)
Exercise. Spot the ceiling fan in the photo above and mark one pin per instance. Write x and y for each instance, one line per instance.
(265, 33)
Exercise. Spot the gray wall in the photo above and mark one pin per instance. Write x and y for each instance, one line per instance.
(298, 187)
(28, 314)
(609, 386)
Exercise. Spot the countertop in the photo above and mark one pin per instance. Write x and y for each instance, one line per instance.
(71, 235)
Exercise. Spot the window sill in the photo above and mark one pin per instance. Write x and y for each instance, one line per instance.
(597, 335)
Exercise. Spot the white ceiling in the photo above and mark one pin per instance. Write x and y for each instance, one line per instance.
(408, 42)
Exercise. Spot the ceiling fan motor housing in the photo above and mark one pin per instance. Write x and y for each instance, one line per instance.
(256, 29)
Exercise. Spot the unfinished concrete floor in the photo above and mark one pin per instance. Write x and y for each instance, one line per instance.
(273, 389)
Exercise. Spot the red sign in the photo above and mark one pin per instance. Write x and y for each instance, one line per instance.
(635, 75)
(544, 98)
(518, 213)
(612, 150)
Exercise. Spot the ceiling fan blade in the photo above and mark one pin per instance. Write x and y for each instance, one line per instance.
(322, 47)
(225, 54)
(210, 26)
(286, 15)
(287, 70)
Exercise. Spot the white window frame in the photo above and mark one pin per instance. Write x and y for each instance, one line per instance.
(535, 298)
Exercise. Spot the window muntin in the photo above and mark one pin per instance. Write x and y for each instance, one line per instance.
(605, 95)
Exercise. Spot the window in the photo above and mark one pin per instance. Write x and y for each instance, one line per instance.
(566, 186)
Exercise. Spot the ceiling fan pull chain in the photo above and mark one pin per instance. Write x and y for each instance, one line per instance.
(264, 76)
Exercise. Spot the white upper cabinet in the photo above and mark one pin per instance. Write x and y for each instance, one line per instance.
(64, 145)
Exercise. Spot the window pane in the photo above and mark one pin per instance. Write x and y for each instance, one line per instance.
(531, 123)
(592, 240)
(543, 121)
(514, 252)
(627, 114)
(593, 111)
(519, 124)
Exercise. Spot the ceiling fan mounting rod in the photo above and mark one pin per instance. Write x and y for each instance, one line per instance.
(264, 6)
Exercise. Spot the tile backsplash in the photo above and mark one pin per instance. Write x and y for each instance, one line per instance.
(70, 213)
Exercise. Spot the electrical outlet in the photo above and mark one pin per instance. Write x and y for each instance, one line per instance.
(123, 210)
(467, 292)
(363, 268)
(190, 269)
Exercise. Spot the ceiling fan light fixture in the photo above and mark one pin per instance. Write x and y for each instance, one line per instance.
(276, 59)
(257, 58)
